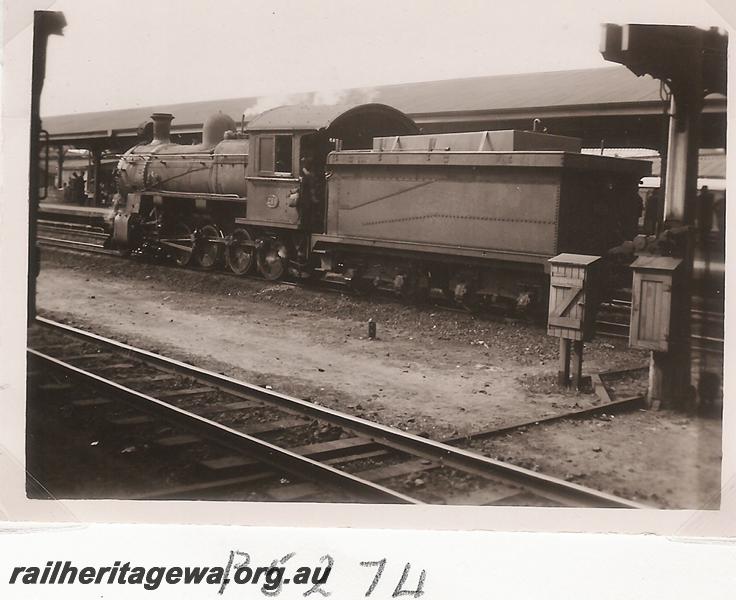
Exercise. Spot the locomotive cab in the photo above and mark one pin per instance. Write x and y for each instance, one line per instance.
(286, 180)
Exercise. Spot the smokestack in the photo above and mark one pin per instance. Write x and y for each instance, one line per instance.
(162, 127)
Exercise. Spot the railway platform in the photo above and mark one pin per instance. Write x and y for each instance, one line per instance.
(73, 210)
(91, 215)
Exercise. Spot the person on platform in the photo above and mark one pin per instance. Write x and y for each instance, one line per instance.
(652, 212)
(74, 187)
(81, 196)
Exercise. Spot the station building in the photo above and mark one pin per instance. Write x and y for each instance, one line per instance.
(608, 108)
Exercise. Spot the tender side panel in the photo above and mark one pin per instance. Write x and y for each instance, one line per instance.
(506, 209)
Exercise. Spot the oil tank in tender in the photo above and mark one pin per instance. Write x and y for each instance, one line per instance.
(507, 195)
(216, 166)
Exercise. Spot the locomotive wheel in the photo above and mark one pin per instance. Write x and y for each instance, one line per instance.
(239, 257)
(272, 259)
(208, 250)
(184, 244)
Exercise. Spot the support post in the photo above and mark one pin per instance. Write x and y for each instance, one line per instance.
(682, 158)
(96, 168)
(577, 363)
(679, 205)
(659, 387)
(45, 23)
(563, 373)
(60, 166)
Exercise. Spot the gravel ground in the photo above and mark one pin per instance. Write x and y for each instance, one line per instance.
(430, 371)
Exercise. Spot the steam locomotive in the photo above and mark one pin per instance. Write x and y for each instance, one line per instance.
(357, 194)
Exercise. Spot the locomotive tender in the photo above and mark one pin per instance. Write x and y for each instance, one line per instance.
(357, 194)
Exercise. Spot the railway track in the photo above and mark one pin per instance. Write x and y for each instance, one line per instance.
(241, 441)
(74, 236)
(612, 321)
(707, 326)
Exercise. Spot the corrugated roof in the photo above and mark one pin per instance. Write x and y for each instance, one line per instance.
(582, 87)
(612, 85)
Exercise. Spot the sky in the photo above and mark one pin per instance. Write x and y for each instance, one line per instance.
(119, 54)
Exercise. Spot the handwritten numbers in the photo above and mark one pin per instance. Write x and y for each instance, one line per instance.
(381, 564)
(268, 588)
(318, 581)
(399, 590)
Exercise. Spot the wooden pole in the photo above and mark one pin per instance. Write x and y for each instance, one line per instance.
(659, 367)
(563, 373)
(577, 363)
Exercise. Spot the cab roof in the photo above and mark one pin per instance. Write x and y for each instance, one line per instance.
(305, 117)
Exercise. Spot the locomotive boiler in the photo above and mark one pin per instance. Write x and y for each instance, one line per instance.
(177, 194)
(357, 194)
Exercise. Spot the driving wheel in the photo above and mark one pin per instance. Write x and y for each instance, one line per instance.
(240, 252)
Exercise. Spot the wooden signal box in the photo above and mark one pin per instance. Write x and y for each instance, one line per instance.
(653, 290)
(572, 308)
(572, 296)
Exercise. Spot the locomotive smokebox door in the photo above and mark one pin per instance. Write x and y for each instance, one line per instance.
(573, 295)
(653, 289)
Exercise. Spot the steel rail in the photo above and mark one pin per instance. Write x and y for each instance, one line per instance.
(280, 458)
(76, 245)
(702, 343)
(621, 404)
(698, 342)
(68, 225)
(68, 231)
(558, 490)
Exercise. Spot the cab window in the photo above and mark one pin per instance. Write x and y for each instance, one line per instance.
(265, 154)
(283, 154)
(275, 154)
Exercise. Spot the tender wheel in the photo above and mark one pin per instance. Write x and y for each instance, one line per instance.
(272, 259)
(359, 284)
(239, 254)
(182, 244)
(421, 288)
(208, 249)
(462, 290)
(413, 286)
